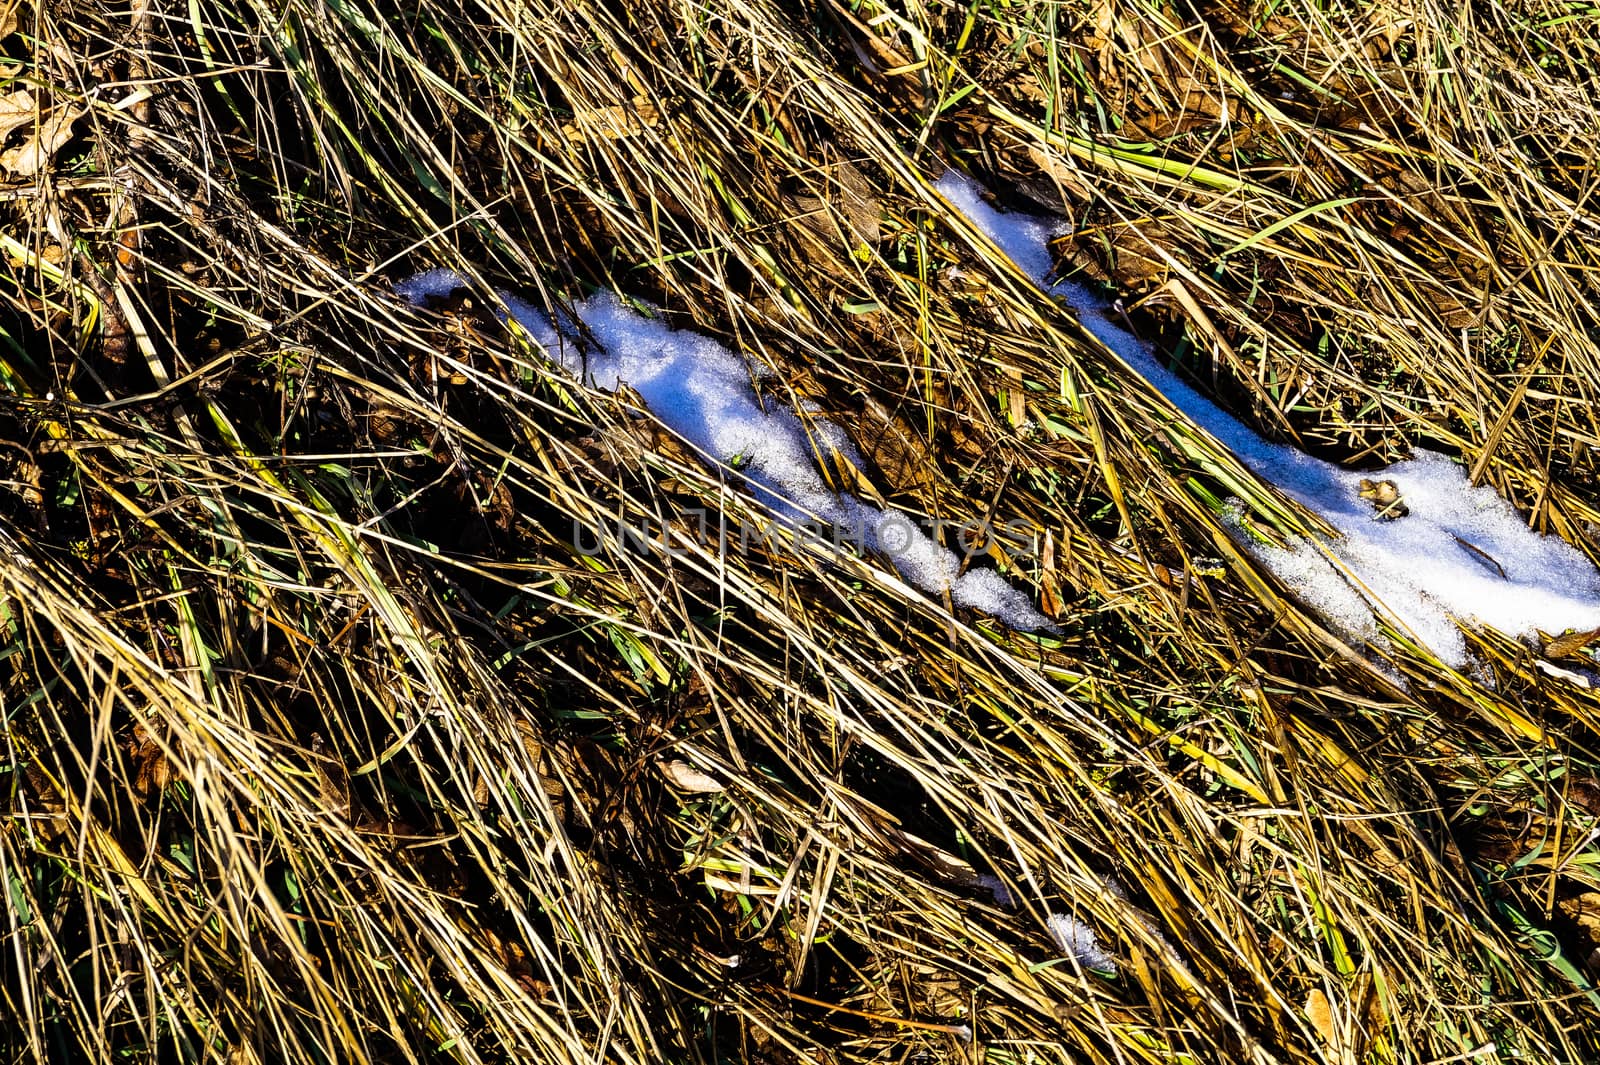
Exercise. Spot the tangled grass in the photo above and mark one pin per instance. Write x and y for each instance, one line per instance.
(328, 737)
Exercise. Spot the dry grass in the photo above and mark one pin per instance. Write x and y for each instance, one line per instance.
(324, 742)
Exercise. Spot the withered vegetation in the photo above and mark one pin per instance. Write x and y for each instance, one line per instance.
(327, 739)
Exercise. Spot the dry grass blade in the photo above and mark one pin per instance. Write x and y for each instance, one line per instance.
(346, 721)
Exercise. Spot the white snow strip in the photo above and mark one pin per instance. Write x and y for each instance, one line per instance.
(1071, 936)
(1077, 940)
(1461, 554)
(701, 391)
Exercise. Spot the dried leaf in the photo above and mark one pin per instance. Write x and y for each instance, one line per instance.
(1365, 992)
(1049, 584)
(1016, 396)
(152, 771)
(28, 158)
(27, 481)
(686, 777)
(611, 123)
(1320, 1014)
(1584, 912)
(1569, 643)
(894, 447)
(333, 780)
(1059, 171)
(842, 204)
(1584, 909)
(8, 17)
(16, 109)
(850, 477)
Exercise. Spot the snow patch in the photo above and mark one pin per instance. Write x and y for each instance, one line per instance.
(1461, 553)
(1077, 940)
(1071, 936)
(702, 391)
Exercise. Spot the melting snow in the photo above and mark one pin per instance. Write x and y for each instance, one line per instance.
(1077, 940)
(701, 391)
(1461, 553)
(1071, 936)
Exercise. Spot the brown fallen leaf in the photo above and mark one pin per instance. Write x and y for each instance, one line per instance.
(849, 476)
(1320, 1013)
(27, 481)
(686, 777)
(1375, 1026)
(16, 109)
(151, 769)
(896, 449)
(1569, 643)
(1049, 584)
(1584, 912)
(614, 122)
(34, 154)
(847, 197)
(1385, 499)
(1060, 171)
(8, 17)
(333, 780)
